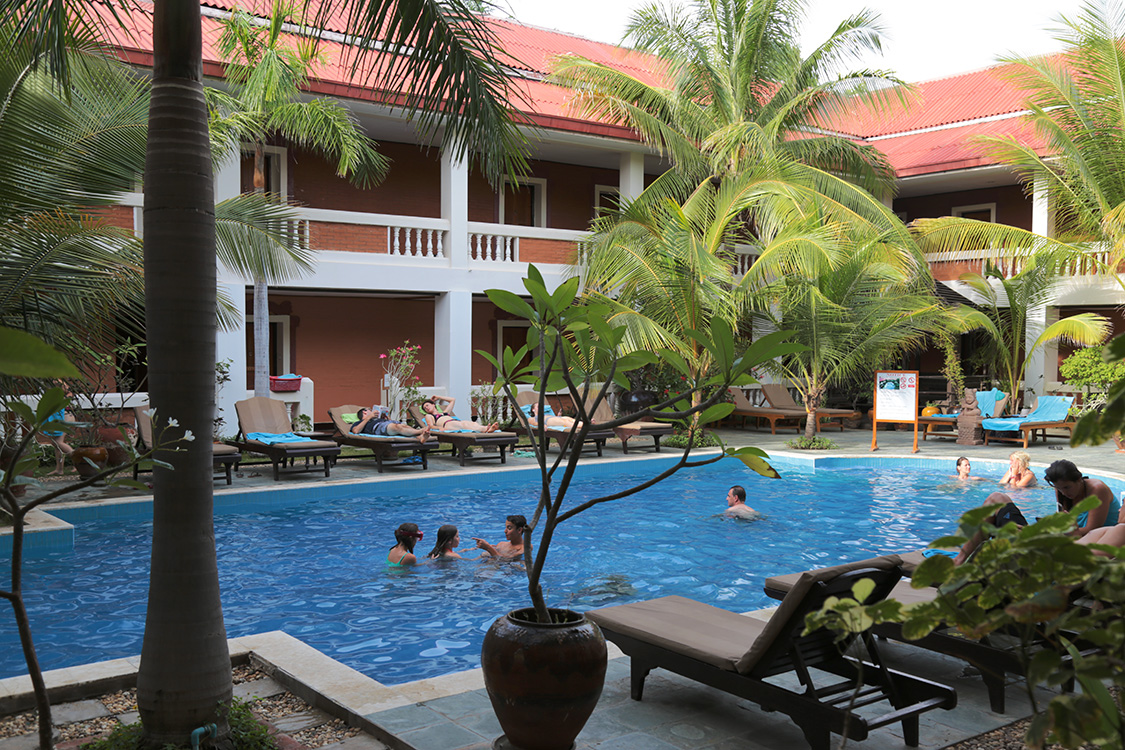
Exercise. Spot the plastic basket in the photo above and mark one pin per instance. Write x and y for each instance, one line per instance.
(284, 385)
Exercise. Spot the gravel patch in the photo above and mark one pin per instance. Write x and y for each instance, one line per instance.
(14, 725)
(90, 728)
(279, 705)
(121, 702)
(246, 673)
(325, 734)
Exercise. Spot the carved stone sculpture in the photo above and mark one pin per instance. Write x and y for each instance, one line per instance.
(969, 431)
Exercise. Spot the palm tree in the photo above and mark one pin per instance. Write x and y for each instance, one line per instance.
(1006, 327)
(854, 301)
(739, 93)
(446, 54)
(266, 72)
(1076, 104)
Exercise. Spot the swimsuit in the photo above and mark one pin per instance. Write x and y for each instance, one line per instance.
(59, 416)
(399, 563)
(1110, 516)
(440, 416)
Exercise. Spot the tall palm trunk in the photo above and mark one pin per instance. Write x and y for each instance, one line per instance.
(185, 666)
(261, 296)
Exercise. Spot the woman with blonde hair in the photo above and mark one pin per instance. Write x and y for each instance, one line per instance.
(1018, 474)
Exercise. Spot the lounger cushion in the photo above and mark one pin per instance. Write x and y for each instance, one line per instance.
(304, 446)
(902, 592)
(715, 636)
(222, 449)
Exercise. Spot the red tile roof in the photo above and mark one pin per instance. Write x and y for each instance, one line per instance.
(948, 111)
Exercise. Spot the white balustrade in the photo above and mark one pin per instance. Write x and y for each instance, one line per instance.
(498, 248)
(415, 242)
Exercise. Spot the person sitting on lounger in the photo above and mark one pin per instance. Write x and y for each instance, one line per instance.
(737, 507)
(1008, 512)
(1018, 474)
(963, 469)
(402, 553)
(551, 420)
(447, 541)
(1113, 536)
(377, 422)
(1071, 487)
(442, 418)
(512, 546)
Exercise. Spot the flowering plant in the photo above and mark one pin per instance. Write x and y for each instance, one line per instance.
(400, 383)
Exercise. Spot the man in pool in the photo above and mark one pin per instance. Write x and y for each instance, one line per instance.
(737, 507)
(512, 546)
(378, 422)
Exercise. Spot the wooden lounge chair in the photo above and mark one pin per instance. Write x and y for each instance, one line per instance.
(380, 446)
(991, 403)
(224, 459)
(1050, 412)
(266, 415)
(629, 430)
(779, 397)
(738, 654)
(595, 439)
(461, 442)
(996, 656)
(744, 409)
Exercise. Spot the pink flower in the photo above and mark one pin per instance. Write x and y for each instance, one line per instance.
(382, 356)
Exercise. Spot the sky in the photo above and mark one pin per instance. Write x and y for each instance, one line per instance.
(923, 40)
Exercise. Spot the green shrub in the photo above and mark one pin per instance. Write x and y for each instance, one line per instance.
(703, 439)
(246, 733)
(817, 443)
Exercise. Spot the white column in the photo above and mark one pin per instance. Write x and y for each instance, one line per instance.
(1042, 366)
(453, 327)
(231, 345)
(455, 208)
(632, 180)
(1042, 217)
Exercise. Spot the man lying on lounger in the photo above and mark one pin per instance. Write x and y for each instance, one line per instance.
(378, 422)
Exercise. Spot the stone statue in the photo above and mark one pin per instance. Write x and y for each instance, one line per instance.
(969, 431)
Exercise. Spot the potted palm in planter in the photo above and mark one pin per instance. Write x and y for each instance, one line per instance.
(544, 667)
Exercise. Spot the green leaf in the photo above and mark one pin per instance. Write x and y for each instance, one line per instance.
(53, 400)
(511, 303)
(715, 412)
(932, 571)
(565, 295)
(863, 588)
(755, 462)
(1115, 349)
(722, 339)
(24, 355)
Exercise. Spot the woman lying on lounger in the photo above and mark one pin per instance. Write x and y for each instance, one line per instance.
(443, 418)
(551, 420)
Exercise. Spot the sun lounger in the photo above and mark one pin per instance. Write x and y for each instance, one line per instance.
(996, 656)
(779, 397)
(739, 654)
(224, 458)
(629, 430)
(461, 442)
(991, 404)
(381, 446)
(259, 418)
(744, 409)
(1051, 411)
(595, 439)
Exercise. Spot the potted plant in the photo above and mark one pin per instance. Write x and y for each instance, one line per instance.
(544, 667)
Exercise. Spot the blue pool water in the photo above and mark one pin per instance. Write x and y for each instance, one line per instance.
(317, 570)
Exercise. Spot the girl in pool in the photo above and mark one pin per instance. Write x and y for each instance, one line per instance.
(1018, 474)
(402, 554)
(447, 541)
(963, 469)
(1071, 487)
(442, 418)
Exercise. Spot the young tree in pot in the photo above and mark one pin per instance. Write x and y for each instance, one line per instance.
(545, 667)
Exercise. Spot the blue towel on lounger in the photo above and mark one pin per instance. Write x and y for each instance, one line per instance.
(986, 400)
(1050, 409)
(272, 439)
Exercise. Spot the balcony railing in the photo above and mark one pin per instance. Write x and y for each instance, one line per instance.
(974, 261)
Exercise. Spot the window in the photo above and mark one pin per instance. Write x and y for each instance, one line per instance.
(279, 347)
(524, 203)
(606, 198)
(276, 170)
(979, 211)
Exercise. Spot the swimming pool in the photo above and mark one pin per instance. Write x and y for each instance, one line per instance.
(316, 568)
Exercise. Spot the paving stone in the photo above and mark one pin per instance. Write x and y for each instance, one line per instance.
(445, 736)
(359, 742)
(484, 723)
(131, 717)
(295, 722)
(263, 688)
(406, 718)
(463, 704)
(20, 742)
(635, 741)
(68, 713)
(603, 726)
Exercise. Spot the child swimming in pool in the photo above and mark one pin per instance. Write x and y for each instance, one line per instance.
(447, 541)
(512, 546)
(402, 554)
(963, 469)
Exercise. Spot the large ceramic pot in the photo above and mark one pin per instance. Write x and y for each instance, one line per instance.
(630, 402)
(116, 454)
(7, 455)
(543, 679)
(96, 453)
(929, 411)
